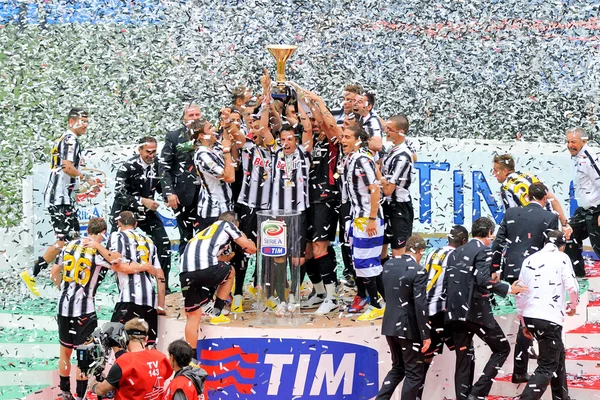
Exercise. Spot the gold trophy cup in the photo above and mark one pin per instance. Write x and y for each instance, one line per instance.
(281, 52)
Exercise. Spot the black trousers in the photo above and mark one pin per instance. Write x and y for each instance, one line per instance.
(463, 332)
(407, 362)
(344, 216)
(187, 217)
(521, 354)
(153, 227)
(551, 361)
(584, 224)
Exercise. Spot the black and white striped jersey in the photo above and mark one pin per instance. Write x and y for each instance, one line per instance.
(83, 270)
(61, 188)
(396, 168)
(359, 173)
(135, 246)
(215, 194)
(435, 264)
(322, 183)
(256, 185)
(290, 180)
(372, 125)
(515, 189)
(203, 250)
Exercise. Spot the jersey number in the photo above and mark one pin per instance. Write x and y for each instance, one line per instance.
(208, 232)
(144, 253)
(438, 271)
(77, 270)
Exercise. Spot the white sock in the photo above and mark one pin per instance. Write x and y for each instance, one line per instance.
(330, 288)
(319, 288)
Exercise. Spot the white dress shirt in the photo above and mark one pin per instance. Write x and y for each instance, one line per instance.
(587, 178)
(549, 275)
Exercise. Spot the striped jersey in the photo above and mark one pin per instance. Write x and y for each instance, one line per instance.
(83, 270)
(290, 180)
(135, 247)
(61, 188)
(372, 125)
(515, 189)
(322, 183)
(203, 250)
(256, 185)
(435, 264)
(215, 194)
(359, 173)
(397, 167)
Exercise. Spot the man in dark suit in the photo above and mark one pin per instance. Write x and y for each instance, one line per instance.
(522, 233)
(469, 289)
(405, 320)
(179, 177)
(137, 184)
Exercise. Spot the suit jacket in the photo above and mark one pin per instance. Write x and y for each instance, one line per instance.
(520, 235)
(133, 183)
(177, 171)
(406, 313)
(468, 284)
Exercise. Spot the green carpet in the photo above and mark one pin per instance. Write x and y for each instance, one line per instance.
(18, 392)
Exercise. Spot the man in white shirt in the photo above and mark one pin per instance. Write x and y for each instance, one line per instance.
(586, 220)
(548, 274)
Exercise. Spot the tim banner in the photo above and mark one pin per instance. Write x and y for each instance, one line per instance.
(265, 368)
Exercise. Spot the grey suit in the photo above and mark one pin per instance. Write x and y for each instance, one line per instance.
(468, 308)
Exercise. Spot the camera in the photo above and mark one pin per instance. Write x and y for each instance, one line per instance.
(92, 356)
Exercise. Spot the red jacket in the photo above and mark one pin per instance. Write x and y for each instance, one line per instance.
(143, 375)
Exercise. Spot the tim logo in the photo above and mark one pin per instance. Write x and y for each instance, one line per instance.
(262, 368)
(273, 238)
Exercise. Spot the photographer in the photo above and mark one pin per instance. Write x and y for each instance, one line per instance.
(188, 382)
(140, 373)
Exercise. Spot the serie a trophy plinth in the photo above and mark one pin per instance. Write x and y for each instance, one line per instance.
(281, 53)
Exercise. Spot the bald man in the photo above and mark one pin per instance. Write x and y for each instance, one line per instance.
(586, 219)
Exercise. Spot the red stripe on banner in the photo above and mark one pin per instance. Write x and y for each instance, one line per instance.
(215, 370)
(242, 388)
(218, 355)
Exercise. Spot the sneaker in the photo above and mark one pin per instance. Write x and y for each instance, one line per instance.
(219, 320)
(272, 303)
(328, 305)
(30, 282)
(236, 305)
(64, 394)
(252, 290)
(282, 309)
(313, 301)
(358, 303)
(208, 308)
(349, 281)
(371, 314)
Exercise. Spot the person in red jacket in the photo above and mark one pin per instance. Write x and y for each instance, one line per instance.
(139, 374)
(188, 382)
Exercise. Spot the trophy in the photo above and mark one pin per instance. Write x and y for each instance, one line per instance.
(281, 52)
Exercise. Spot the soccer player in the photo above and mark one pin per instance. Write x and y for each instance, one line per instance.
(371, 123)
(137, 183)
(179, 177)
(137, 294)
(216, 171)
(367, 227)
(255, 193)
(59, 196)
(351, 92)
(515, 188)
(205, 267)
(396, 177)
(435, 264)
(78, 272)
